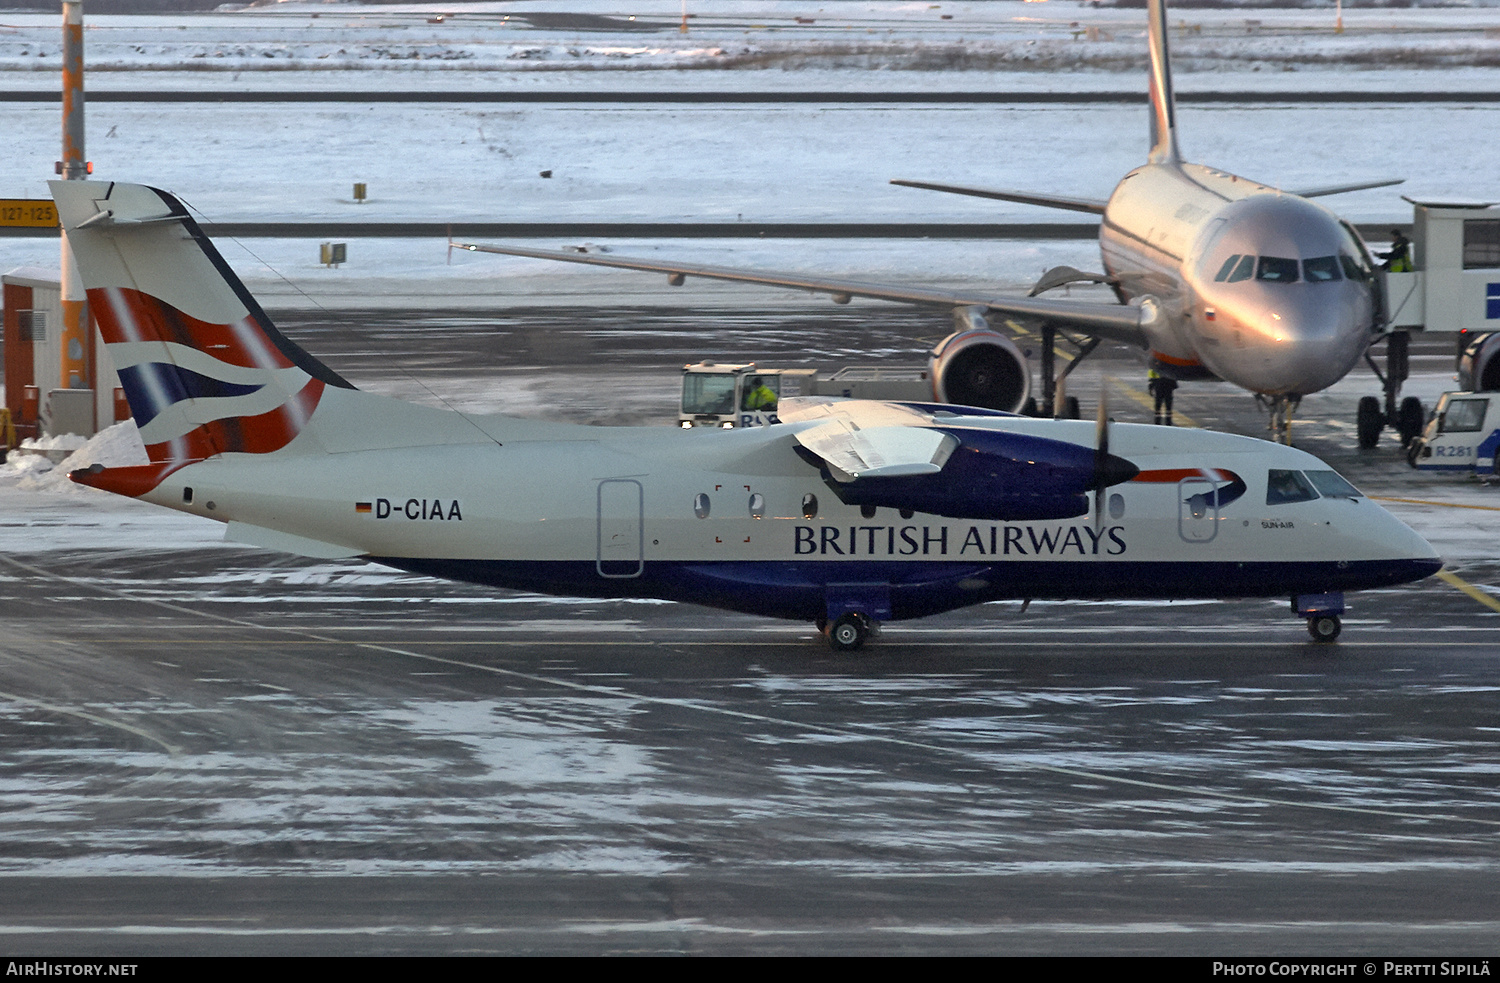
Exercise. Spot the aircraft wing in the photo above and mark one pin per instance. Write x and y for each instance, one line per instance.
(1094, 205)
(1338, 189)
(1117, 322)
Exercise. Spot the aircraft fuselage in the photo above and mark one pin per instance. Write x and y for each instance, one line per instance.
(738, 520)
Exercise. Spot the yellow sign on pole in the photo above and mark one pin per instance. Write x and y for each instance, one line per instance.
(28, 213)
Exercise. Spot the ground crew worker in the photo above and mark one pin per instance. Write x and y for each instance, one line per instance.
(1398, 260)
(1162, 387)
(759, 396)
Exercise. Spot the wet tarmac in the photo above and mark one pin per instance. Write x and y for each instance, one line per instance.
(215, 749)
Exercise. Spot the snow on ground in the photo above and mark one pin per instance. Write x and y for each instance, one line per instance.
(552, 37)
(715, 163)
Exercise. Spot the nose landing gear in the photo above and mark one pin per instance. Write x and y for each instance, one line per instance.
(1281, 409)
(1322, 613)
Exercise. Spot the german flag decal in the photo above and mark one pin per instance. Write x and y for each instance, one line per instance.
(363, 507)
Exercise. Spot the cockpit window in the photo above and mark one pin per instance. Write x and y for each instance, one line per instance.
(1331, 484)
(1277, 270)
(1227, 268)
(1353, 269)
(1244, 271)
(1321, 270)
(1286, 487)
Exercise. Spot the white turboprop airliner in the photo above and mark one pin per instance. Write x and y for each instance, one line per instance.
(1216, 276)
(845, 514)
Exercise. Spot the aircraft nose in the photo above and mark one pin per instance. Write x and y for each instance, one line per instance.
(1302, 337)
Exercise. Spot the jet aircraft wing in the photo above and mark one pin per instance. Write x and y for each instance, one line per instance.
(1094, 205)
(1116, 322)
(1338, 189)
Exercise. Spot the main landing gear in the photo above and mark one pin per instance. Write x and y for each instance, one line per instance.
(848, 632)
(1322, 613)
(1407, 417)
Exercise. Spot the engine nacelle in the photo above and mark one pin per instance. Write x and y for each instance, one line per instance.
(975, 366)
(1479, 364)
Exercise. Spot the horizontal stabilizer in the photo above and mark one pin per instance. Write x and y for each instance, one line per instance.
(272, 539)
(1093, 205)
(1338, 189)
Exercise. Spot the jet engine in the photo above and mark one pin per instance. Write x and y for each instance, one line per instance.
(975, 366)
(1479, 363)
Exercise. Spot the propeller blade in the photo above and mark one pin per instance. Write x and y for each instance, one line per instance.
(1101, 456)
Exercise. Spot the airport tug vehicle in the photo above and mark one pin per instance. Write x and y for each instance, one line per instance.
(1463, 435)
(846, 513)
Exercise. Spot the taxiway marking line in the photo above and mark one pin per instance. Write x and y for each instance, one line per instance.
(1423, 501)
(94, 718)
(1179, 419)
(1456, 581)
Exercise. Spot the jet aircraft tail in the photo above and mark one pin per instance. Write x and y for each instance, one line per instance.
(203, 368)
(1163, 105)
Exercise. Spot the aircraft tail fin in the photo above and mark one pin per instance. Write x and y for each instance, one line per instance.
(203, 368)
(1163, 105)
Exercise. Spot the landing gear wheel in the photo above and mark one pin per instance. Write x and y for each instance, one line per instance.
(1324, 627)
(848, 633)
(1369, 422)
(1410, 419)
(1070, 409)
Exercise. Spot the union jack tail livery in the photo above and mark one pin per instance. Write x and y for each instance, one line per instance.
(203, 368)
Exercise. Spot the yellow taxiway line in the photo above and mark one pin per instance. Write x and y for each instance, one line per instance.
(1178, 419)
(1446, 505)
(1453, 580)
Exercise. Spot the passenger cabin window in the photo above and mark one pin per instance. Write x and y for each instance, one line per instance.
(707, 393)
(757, 506)
(1275, 269)
(1481, 243)
(1463, 416)
(1331, 484)
(1321, 270)
(809, 506)
(700, 505)
(1286, 487)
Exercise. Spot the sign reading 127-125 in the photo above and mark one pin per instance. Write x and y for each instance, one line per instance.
(28, 214)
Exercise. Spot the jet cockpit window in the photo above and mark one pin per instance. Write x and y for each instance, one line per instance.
(1353, 269)
(1275, 269)
(1321, 269)
(708, 392)
(1463, 416)
(1331, 484)
(1236, 268)
(1286, 487)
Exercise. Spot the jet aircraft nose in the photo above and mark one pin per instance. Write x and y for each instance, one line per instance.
(1284, 296)
(1290, 339)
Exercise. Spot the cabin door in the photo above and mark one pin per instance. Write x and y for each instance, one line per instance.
(621, 550)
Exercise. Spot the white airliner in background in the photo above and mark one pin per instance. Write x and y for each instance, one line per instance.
(1216, 277)
(845, 514)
